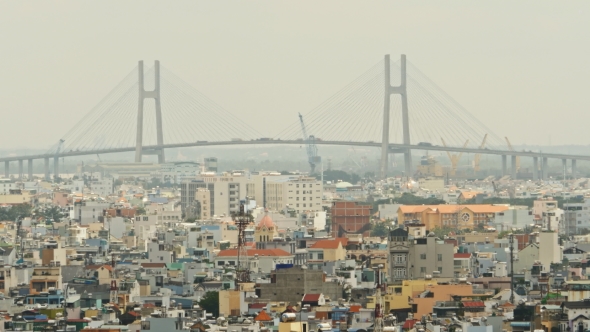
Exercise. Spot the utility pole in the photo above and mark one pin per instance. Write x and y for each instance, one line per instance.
(511, 240)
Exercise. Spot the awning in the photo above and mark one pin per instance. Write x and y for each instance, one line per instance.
(520, 324)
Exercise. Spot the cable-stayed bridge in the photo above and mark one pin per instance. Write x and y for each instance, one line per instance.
(392, 106)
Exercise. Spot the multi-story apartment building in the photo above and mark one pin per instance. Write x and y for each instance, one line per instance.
(225, 191)
(176, 172)
(300, 193)
(351, 218)
(6, 185)
(399, 248)
(188, 190)
(430, 256)
(576, 218)
(102, 187)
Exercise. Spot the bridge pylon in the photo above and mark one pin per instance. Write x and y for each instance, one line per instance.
(402, 91)
(155, 94)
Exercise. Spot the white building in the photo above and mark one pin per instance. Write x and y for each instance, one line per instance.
(88, 211)
(177, 172)
(301, 194)
(576, 218)
(549, 249)
(103, 187)
(228, 189)
(6, 185)
(158, 252)
(260, 260)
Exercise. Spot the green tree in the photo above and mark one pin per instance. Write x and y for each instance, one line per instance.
(139, 210)
(52, 213)
(442, 231)
(210, 302)
(379, 229)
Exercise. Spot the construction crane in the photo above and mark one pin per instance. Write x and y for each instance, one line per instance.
(517, 157)
(56, 158)
(312, 149)
(454, 157)
(478, 155)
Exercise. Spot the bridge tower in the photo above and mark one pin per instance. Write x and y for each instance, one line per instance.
(402, 91)
(155, 94)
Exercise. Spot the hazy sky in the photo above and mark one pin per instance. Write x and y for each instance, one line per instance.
(522, 67)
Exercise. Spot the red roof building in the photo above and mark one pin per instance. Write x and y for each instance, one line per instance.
(462, 255)
(262, 317)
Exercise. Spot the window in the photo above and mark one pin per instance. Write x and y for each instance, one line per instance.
(440, 257)
(310, 256)
(440, 269)
(422, 269)
(321, 255)
(422, 256)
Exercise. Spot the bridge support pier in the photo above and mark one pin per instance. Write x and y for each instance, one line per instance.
(504, 165)
(55, 169)
(564, 166)
(513, 170)
(402, 91)
(544, 169)
(155, 94)
(7, 169)
(30, 169)
(574, 168)
(20, 169)
(46, 169)
(535, 168)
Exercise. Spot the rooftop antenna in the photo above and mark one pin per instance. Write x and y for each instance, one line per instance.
(242, 220)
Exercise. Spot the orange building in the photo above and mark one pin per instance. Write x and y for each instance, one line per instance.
(350, 218)
(459, 216)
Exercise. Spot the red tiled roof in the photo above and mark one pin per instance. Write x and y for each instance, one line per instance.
(311, 297)
(153, 264)
(473, 304)
(262, 316)
(330, 244)
(462, 255)
(409, 324)
(96, 267)
(149, 305)
(257, 305)
(133, 313)
(252, 252)
(355, 308)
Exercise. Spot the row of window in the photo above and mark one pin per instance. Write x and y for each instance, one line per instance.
(423, 269)
(310, 204)
(439, 257)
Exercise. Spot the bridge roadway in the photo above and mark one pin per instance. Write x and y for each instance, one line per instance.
(393, 147)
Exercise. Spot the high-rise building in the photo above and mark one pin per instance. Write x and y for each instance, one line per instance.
(211, 164)
(299, 193)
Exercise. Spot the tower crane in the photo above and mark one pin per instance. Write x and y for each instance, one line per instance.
(517, 157)
(312, 149)
(478, 155)
(454, 157)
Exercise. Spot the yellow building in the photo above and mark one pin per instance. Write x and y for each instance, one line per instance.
(265, 230)
(333, 249)
(405, 297)
(229, 302)
(458, 216)
(398, 295)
